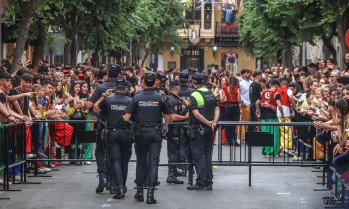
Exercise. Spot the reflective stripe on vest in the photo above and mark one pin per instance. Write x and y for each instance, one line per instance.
(198, 96)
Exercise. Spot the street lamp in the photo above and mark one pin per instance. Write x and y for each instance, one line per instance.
(172, 50)
(214, 49)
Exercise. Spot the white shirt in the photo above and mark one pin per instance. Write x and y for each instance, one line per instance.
(245, 91)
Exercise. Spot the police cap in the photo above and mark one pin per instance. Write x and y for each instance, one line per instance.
(204, 78)
(121, 82)
(149, 76)
(197, 78)
(114, 70)
(174, 83)
(184, 74)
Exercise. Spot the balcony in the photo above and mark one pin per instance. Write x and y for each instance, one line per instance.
(226, 29)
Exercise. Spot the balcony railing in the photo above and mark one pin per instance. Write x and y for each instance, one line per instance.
(223, 28)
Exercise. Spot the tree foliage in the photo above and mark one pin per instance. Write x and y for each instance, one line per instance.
(269, 26)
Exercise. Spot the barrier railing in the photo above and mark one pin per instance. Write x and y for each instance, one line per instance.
(296, 149)
(12, 159)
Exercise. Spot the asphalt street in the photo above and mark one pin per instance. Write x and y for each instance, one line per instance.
(272, 187)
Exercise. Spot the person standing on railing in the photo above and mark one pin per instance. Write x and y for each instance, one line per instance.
(268, 114)
(112, 107)
(245, 101)
(100, 151)
(204, 114)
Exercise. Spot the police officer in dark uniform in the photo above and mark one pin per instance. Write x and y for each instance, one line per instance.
(175, 104)
(100, 152)
(184, 93)
(204, 114)
(119, 135)
(148, 108)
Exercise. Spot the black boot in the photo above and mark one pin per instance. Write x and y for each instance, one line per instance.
(120, 192)
(172, 179)
(112, 189)
(150, 196)
(102, 184)
(139, 195)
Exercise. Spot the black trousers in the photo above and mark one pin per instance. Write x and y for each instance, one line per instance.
(120, 147)
(202, 147)
(232, 113)
(148, 143)
(253, 117)
(173, 148)
(100, 153)
(184, 143)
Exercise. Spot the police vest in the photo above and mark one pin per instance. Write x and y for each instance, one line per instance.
(284, 97)
(268, 99)
(206, 103)
(148, 104)
(116, 105)
(184, 93)
(178, 107)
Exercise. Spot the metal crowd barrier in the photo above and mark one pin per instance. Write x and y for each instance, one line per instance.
(252, 137)
(12, 156)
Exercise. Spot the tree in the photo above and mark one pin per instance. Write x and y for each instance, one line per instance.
(26, 10)
(276, 26)
(163, 18)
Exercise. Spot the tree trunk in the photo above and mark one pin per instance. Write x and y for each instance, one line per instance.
(74, 52)
(145, 57)
(129, 57)
(288, 56)
(39, 44)
(67, 52)
(329, 45)
(341, 29)
(95, 58)
(27, 12)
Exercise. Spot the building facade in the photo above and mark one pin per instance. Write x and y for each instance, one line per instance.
(213, 39)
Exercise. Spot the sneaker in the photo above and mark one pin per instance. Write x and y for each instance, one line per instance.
(30, 155)
(42, 154)
(41, 171)
(87, 163)
(46, 169)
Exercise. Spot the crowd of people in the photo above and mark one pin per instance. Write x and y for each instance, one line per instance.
(318, 92)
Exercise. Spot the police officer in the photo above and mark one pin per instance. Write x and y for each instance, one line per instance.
(184, 93)
(100, 152)
(175, 104)
(119, 135)
(204, 114)
(147, 107)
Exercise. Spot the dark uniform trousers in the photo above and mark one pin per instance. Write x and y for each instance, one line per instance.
(120, 147)
(173, 148)
(148, 144)
(184, 141)
(202, 148)
(100, 153)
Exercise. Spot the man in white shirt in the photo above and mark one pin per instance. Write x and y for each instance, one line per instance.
(245, 101)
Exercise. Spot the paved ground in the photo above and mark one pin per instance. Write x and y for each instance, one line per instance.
(272, 187)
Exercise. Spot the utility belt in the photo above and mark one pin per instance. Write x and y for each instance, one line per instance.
(120, 129)
(196, 126)
(232, 104)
